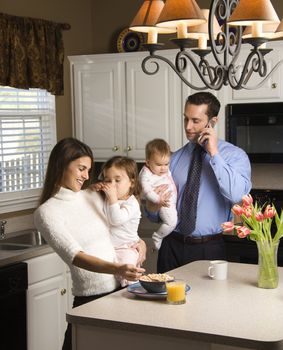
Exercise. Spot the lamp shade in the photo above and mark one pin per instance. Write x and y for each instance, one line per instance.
(147, 16)
(249, 11)
(195, 32)
(175, 11)
(267, 31)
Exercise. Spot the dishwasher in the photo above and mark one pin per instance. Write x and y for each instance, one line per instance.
(13, 286)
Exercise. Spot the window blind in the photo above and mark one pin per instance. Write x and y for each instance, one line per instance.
(27, 119)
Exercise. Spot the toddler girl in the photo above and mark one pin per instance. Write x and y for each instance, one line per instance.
(122, 189)
(155, 173)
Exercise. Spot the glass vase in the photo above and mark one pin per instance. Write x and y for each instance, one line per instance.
(267, 264)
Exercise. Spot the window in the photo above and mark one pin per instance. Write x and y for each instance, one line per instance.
(27, 135)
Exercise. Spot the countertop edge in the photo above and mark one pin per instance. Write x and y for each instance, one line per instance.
(170, 332)
(17, 256)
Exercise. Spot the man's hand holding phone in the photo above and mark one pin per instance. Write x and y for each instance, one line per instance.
(208, 138)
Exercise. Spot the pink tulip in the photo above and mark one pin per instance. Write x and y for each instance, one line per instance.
(228, 226)
(269, 212)
(247, 200)
(247, 211)
(237, 210)
(259, 216)
(243, 231)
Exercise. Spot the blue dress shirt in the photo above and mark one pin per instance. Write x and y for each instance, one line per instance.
(225, 179)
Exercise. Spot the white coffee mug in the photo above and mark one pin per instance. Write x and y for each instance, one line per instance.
(218, 269)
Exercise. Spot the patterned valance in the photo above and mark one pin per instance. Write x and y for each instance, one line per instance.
(31, 53)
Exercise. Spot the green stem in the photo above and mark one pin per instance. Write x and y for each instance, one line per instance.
(268, 271)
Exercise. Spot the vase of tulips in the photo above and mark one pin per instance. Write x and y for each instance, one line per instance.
(256, 225)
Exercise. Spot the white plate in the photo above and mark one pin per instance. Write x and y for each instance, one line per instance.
(139, 291)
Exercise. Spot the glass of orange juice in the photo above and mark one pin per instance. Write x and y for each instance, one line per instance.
(176, 292)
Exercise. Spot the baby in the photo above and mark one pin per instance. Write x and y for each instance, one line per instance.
(155, 173)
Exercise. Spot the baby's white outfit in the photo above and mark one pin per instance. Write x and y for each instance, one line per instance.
(168, 215)
(124, 218)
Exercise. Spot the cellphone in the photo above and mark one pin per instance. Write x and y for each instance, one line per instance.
(210, 124)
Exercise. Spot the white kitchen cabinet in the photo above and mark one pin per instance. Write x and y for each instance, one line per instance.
(117, 108)
(150, 263)
(48, 296)
(272, 89)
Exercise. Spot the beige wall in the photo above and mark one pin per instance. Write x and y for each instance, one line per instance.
(78, 40)
(122, 12)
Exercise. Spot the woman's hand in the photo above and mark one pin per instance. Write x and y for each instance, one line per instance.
(97, 186)
(141, 248)
(130, 272)
(94, 264)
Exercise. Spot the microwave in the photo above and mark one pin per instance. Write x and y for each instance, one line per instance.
(257, 128)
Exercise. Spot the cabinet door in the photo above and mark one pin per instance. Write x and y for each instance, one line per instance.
(272, 87)
(70, 297)
(153, 107)
(47, 305)
(98, 93)
(150, 263)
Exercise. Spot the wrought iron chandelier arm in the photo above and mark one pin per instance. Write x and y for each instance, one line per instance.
(265, 78)
(180, 67)
(255, 63)
(214, 81)
(153, 61)
(246, 72)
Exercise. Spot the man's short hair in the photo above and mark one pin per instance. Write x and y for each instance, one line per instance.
(205, 98)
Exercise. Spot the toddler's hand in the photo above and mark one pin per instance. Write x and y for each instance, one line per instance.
(110, 190)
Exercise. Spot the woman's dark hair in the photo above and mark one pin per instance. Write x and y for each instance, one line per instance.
(205, 98)
(63, 153)
(130, 166)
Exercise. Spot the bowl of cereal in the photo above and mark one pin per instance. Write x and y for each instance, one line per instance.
(155, 282)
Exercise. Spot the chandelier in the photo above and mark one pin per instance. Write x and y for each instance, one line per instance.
(220, 32)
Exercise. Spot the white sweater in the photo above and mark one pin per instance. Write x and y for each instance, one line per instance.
(72, 222)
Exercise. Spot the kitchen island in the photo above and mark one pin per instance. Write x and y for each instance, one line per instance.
(228, 314)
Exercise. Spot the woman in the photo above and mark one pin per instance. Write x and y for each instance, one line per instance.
(74, 225)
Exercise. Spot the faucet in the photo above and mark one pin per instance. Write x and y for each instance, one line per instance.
(2, 228)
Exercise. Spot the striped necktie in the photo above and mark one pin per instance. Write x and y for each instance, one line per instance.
(191, 191)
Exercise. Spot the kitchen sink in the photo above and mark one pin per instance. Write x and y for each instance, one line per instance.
(22, 240)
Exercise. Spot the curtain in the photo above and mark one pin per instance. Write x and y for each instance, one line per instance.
(31, 53)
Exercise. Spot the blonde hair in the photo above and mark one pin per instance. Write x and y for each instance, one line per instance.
(130, 166)
(157, 146)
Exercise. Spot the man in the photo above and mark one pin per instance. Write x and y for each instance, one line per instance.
(224, 179)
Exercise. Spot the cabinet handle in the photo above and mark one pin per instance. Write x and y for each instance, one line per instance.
(115, 148)
(129, 148)
(273, 85)
(63, 291)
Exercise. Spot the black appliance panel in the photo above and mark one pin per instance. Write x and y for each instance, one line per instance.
(258, 129)
(14, 282)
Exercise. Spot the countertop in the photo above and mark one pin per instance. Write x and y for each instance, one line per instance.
(232, 312)
(13, 256)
